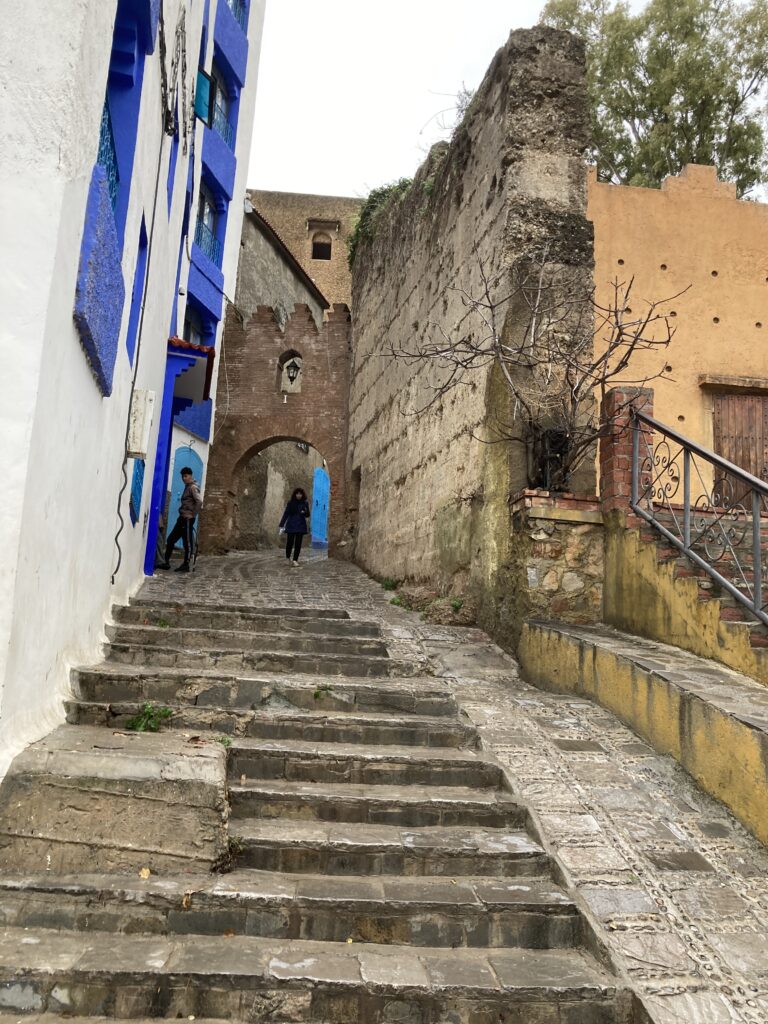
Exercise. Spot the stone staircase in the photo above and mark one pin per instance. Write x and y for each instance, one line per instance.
(377, 868)
(735, 615)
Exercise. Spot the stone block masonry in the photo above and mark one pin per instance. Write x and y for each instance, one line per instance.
(433, 497)
(253, 412)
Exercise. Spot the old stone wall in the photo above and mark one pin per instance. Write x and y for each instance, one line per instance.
(433, 497)
(557, 550)
(267, 277)
(297, 218)
(253, 411)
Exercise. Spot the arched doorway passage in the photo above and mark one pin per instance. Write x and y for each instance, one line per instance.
(264, 480)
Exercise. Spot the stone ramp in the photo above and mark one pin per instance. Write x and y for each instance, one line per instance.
(375, 866)
(714, 721)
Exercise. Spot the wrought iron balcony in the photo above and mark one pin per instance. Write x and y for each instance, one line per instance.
(107, 157)
(208, 242)
(240, 11)
(706, 507)
(222, 126)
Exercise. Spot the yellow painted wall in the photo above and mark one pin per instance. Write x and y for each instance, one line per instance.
(693, 231)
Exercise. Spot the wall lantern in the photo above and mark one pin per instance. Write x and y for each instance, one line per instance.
(293, 369)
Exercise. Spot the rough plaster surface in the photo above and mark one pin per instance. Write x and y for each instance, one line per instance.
(433, 496)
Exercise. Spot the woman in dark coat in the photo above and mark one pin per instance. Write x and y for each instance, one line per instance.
(294, 522)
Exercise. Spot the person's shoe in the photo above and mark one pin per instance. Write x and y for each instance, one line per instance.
(163, 565)
(184, 567)
(295, 562)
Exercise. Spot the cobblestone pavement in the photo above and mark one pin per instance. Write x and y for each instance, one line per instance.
(677, 887)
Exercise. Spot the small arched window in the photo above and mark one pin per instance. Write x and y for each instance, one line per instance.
(321, 246)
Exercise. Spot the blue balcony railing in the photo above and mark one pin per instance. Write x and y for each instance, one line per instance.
(107, 157)
(222, 125)
(240, 11)
(208, 242)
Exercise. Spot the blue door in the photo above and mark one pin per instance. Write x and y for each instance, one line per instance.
(184, 456)
(321, 499)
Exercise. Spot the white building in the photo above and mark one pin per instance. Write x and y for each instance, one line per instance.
(122, 176)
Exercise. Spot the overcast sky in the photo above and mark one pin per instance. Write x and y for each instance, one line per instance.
(349, 90)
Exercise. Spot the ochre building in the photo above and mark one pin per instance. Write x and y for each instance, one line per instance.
(316, 230)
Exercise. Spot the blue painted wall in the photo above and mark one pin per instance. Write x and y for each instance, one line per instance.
(100, 292)
(197, 419)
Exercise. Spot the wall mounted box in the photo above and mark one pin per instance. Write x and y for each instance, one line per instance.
(142, 410)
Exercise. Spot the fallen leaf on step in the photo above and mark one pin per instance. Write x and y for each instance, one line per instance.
(145, 873)
(187, 899)
(228, 934)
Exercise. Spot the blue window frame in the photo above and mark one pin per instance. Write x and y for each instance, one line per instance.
(139, 276)
(137, 489)
(240, 10)
(208, 226)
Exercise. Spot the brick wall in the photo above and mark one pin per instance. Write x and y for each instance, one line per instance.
(252, 412)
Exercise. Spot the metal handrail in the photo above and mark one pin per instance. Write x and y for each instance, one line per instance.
(697, 449)
(713, 526)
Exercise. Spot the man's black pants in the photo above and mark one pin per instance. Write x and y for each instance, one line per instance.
(293, 544)
(184, 530)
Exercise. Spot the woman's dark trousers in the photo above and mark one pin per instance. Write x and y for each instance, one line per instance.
(293, 544)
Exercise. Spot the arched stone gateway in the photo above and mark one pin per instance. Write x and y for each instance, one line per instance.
(255, 410)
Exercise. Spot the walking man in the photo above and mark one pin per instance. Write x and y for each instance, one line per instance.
(189, 507)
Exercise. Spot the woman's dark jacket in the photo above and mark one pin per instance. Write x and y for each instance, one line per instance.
(295, 517)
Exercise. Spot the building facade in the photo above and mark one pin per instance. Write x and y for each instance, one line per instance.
(316, 229)
(122, 171)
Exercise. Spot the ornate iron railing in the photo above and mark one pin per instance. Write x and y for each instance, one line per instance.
(240, 11)
(222, 125)
(107, 156)
(708, 508)
(208, 242)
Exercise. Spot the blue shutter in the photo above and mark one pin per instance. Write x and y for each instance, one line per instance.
(204, 95)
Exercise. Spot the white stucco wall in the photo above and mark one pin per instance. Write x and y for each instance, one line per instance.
(64, 442)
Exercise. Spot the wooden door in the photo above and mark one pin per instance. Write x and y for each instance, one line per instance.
(741, 436)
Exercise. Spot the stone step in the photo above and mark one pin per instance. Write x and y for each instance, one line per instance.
(253, 620)
(479, 912)
(298, 761)
(374, 727)
(111, 682)
(297, 611)
(377, 805)
(350, 848)
(224, 659)
(198, 640)
(247, 978)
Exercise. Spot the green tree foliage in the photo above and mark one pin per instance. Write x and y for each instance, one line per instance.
(682, 81)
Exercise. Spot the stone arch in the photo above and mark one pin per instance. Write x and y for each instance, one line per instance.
(260, 487)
